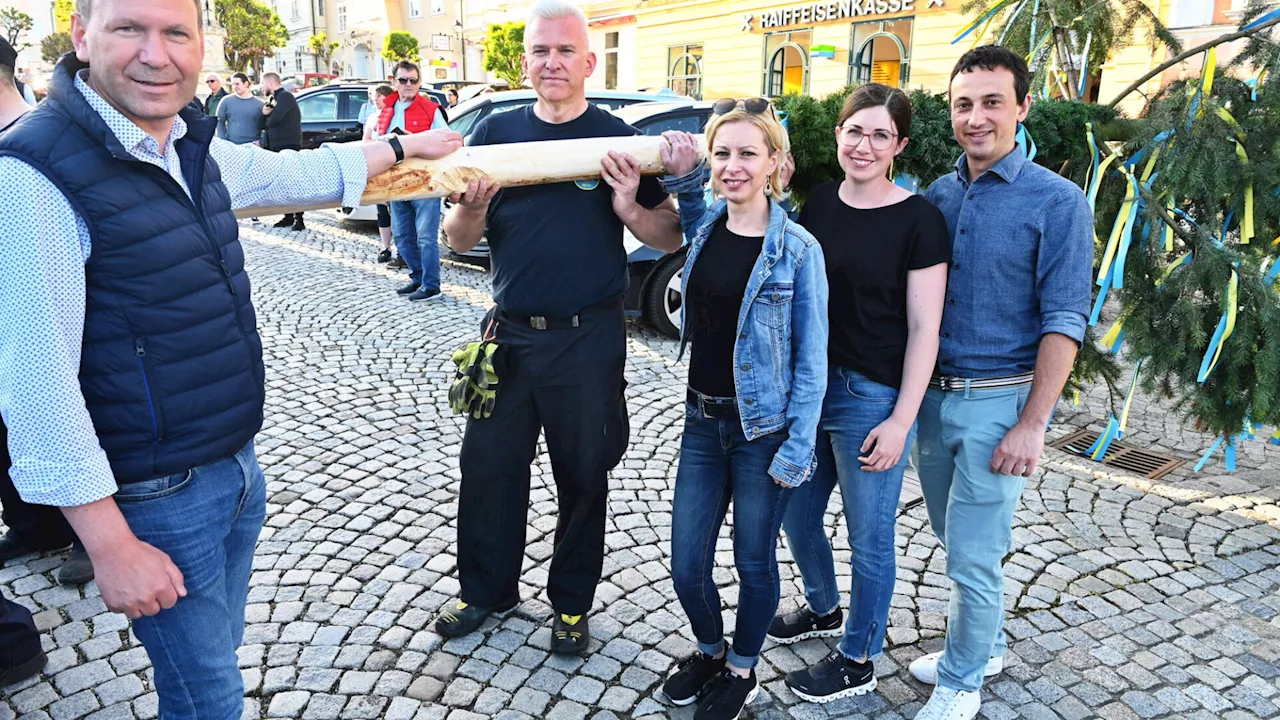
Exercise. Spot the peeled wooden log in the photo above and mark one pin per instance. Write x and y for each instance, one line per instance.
(511, 165)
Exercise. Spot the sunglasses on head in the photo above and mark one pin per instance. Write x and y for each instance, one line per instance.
(407, 81)
(755, 106)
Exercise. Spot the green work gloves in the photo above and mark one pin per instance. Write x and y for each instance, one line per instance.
(475, 386)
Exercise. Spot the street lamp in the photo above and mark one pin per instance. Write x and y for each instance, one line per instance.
(462, 46)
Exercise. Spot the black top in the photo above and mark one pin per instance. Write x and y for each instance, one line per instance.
(557, 248)
(868, 254)
(717, 285)
(283, 127)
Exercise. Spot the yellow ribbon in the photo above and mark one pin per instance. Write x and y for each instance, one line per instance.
(1168, 229)
(1128, 400)
(1122, 219)
(1172, 266)
(1246, 223)
(1233, 298)
(1206, 76)
(1110, 338)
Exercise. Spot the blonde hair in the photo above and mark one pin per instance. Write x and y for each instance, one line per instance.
(775, 137)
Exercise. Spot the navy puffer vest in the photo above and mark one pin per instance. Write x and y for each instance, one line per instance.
(171, 368)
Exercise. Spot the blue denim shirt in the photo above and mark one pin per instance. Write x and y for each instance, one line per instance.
(780, 357)
(1021, 265)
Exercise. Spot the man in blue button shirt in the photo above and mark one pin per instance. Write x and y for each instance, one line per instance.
(1017, 300)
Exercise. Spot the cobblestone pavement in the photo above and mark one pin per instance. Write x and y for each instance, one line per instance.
(1127, 598)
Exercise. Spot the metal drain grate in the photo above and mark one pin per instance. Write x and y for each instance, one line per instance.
(1148, 464)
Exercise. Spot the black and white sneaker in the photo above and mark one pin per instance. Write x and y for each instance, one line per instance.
(835, 677)
(804, 624)
(689, 678)
(726, 696)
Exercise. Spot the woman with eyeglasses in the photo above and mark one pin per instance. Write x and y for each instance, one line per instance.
(755, 312)
(887, 252)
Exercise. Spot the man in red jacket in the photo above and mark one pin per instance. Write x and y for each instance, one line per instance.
(415, 224)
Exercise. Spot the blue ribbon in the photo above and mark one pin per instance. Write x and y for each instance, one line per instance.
(1213, 343)
(1231, 454)
(1261, 20)
(1208, 454)
(1273, 272)
(1102, 295)
(1026, 142)
(1098, 450)
(1115, 346)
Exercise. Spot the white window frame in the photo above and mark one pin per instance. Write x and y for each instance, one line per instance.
(342, 17)
(437, 7)
(415, 9)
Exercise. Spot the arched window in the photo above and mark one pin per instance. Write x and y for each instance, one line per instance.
(880, 52)
(684, 70)
(786, 68)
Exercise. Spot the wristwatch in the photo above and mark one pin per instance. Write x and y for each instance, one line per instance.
(394, 142)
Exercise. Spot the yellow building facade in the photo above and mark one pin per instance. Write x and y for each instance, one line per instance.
(740, 48)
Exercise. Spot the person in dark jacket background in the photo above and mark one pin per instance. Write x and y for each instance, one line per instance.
(282, 130)
(216, 93)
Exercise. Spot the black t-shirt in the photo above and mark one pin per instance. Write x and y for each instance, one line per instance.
(868, 254)
(716, 288)
(557, 248)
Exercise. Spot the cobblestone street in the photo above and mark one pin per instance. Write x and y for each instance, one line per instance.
(1128, 598)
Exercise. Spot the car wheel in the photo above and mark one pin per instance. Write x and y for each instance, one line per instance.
(663, 298)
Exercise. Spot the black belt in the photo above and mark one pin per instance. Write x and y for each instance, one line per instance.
(717, 408)
(542, 322)
(955, 384)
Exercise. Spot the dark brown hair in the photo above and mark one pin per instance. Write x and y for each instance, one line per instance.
(990, 57)
(877, 95)
(383, 90)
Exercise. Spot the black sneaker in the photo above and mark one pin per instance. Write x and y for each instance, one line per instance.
(461, 619)
(409, 289)
(22, 667)
(835, 677)
(690, 677)
(284, 222)
(804, 624)
(421, 294)
(570, 635)
(384, 257)
(298, 225)
(726, 696)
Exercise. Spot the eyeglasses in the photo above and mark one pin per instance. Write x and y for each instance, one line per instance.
(407, 81)
(210, 81)
(755, 106)
(851, 136)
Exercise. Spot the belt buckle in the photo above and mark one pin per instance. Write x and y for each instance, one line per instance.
(538, 322)
(947, 382)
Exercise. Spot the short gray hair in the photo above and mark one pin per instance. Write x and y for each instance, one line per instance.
(85, 7)
(554, 10)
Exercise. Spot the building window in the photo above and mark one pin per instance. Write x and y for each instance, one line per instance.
(296, 13)
(684, 70)
(415, 9)
(880, 51)
(437, 7)
(342, 18)
(611, 61)
(786, 63)
(297, 58)
(320, 7)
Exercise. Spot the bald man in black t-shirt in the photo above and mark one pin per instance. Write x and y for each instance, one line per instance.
(559, 273)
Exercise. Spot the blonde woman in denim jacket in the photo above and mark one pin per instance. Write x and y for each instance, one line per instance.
(755, 309)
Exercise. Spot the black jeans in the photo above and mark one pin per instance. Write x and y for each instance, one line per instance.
(39, 527)
(19, 640)
(567, 382)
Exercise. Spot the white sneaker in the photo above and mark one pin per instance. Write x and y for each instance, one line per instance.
(925, 668)
(948, 704)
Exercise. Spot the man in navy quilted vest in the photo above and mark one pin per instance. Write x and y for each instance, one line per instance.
(131, 376)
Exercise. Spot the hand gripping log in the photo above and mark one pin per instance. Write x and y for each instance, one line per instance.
(511, 165)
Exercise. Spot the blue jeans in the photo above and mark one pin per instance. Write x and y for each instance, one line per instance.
(719, 465)
(207, 519)
(415, 226)
(854, 406)
(971, 511)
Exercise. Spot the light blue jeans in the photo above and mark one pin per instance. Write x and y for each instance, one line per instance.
(207, 520)
(854, 406)
(415, 226)
(971, 511)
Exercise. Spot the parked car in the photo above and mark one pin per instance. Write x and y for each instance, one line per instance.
(330, 113)
(654, 289)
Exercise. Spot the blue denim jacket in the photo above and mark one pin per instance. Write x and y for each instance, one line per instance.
(780, 358)
(1021, 265)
